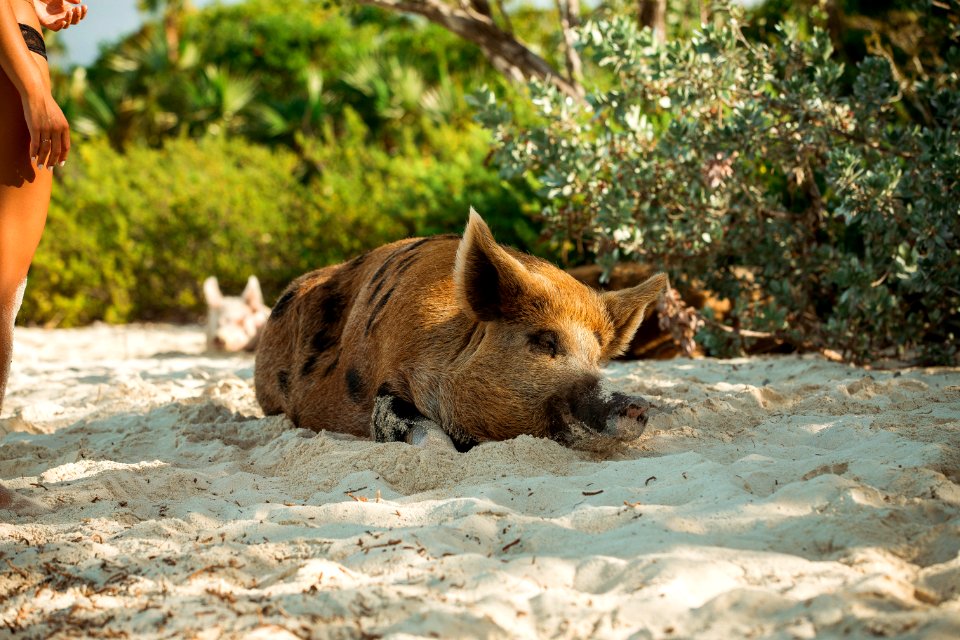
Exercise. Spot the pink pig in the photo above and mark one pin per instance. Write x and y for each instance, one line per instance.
(234, 322)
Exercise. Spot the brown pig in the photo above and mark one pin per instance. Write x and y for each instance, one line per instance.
(461, 335)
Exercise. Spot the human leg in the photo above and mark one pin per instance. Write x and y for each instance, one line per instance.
(7, 319)
(24, 198)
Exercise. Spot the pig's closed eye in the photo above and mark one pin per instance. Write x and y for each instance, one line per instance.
(545, 342)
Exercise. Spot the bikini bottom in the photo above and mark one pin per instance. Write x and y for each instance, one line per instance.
(33, 39)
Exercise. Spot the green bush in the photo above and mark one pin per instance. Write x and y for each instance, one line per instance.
(747, 168)
(270, 71)
(132, 235)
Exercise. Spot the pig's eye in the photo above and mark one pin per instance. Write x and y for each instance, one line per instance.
(545, 342)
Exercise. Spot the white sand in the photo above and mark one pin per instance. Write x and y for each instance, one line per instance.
(774, 497)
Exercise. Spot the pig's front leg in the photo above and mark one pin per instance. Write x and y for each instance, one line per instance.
(396, 420)
(428, 433)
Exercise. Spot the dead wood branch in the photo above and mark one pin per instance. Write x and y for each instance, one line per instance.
(506, 53)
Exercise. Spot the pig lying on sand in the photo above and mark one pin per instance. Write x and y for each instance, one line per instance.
(459, 335)
(234, 322)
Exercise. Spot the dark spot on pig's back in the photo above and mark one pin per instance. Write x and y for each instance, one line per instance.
(314, 359)
(327, 309)
(332, 365)
(357, 262)
(332, 302)
(405, 264)
(376, 290)
(416, 245)
(377, 309)
(382, 271)
(323, 339)
(410, 255)
(283, 302)
(308, 366)
(442, 236)
(356, 387)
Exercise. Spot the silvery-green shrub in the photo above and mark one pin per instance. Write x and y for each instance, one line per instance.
(828, 217)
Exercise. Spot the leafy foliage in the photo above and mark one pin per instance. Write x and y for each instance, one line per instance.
(747, 168)
(270, 72)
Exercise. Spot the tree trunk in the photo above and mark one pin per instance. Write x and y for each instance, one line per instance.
(653, 14)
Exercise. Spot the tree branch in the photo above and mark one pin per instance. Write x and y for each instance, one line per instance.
(482, 7)
(569, 11)
(505, 16)
(505, 52)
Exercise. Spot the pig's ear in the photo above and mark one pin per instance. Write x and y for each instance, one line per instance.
(628, 307)
(211, 292)
(252, 294)
(489, 281)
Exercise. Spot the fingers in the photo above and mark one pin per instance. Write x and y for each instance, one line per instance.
(70, 15)
(53, 151)
(64, 147)
(73, 16)
(56, 146)
(44, 161)
(48, 128)
(34, 142)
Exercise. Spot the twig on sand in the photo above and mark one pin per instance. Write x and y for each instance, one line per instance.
(17, 570)
(507, 546)
(208, 569)
(388, 543)
(592, 493)
(226, 596)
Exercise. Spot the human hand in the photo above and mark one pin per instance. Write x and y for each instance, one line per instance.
(49, 130)
(59, 14)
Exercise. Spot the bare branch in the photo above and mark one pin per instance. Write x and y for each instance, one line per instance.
(505, 52)
(505, 16)
(482, 7)
(569, 18)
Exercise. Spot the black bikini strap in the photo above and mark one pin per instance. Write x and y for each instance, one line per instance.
(33, 39)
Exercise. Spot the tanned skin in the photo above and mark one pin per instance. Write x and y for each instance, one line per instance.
(34, 138)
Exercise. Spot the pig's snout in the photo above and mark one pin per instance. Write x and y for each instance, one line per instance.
(627, 416)
(594, 420)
